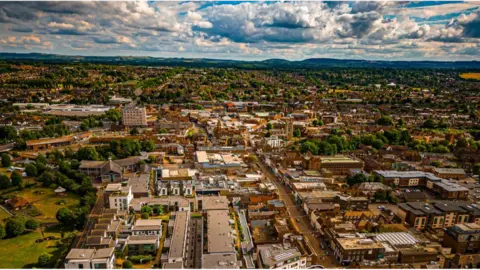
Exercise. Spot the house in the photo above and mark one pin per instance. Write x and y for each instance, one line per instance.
(147, 227)
(280, 257)
(103, 258)
(117, 196)
(17, 203)
(357, 249)
(143, 244)
(107, 171)
(453, 173)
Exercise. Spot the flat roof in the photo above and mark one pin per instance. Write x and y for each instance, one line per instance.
(219, 232)
(358, 243)
(273, 254)
(202, 156)
(177, 244)
(219, 261)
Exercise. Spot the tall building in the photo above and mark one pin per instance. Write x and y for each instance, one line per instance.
(133, 116)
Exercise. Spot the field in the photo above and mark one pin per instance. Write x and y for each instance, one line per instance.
(3, 215)
(46, 203)
(23, 252)
(474, 76)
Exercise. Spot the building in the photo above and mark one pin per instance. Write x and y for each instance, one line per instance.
(280, 257)
(219, 236)
(90, 258)
(147, 227)
(178, 238)
(463, 238)
(351, 203)
(220, 261)
(143, 244)
(50, 143)
(437, 214)
(133, 116)
(445, 188)
(357, 249)
(108, 171)
(453, 173)
(337, 165)
(117, 196)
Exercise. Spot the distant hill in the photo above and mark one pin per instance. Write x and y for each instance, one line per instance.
(312, 63)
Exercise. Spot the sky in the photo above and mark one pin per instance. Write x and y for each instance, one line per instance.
(439, 31)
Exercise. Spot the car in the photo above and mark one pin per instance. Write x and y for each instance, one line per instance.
(297, 219)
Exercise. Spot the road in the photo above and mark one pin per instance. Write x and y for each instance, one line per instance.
(303, 223)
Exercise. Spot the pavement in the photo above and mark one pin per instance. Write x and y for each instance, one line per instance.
(303, 224)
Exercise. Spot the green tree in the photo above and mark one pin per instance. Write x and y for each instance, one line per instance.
(145, 215)
(41, 159)
(269, 126)
(15, 226)
(147, 209)
(429, 123)
(134, 132)
(400, 123)
(31, 170)
(380, 195)
(47, 178)
(88, 153)
(6, 161)
(476, 169)
(356, 179)
(44, 259)
(148, 145)
(4, 181)
(3, 233)
(16, 179)
(385, 120)
(127, 264)
(32, 224)
(66, 216)
(297, 133)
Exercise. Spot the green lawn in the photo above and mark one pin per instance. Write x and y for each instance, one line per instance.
(47, 203)
(23, 252)
(3, 215)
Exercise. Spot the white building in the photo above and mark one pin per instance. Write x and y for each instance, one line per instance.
(119, 197)
(133, 116)
(103, 258)
(147, 227)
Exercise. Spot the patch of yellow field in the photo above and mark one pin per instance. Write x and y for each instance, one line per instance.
(339, 91)
(471, 75)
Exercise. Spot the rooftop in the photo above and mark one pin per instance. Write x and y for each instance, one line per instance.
(358, 243)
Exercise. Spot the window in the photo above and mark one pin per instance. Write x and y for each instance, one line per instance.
(80, 266)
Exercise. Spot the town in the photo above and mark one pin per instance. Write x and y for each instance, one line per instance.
(131, 166)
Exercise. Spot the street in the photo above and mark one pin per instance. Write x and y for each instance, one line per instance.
(303, 223)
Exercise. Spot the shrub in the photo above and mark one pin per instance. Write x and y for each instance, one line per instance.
(140, 258)
(32, 224)
(145, 215)
(127, 264)
(44, 259)
(2, 232)
(15, 227)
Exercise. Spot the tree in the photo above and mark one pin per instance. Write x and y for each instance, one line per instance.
(400, 123)
(32, 224)
(41, 159)
(46, 178)
(2, 231)
(88, 153)
(16, 179)
(269, 126)
(15, 226)
(385, 120)
(440, 149)
(380, 195)
(145, 215)
(6, 161)
(134, 132)
(127, 264)
(31, 170)
(66, 216)
(356, 179)
(44, 259)
(148, 145)
(377, 143)
(476, 169)
(158, 210)
(297, 133)
(4, 181)
(147, 209)
(429, 123)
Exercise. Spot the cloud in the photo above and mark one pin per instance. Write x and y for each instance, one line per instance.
(361, 29)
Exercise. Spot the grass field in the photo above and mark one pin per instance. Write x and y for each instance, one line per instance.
(474, 76)
(23, 252)
(47, 202)
(3, 215)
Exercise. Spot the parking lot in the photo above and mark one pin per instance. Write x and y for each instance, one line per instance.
(374, 207)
